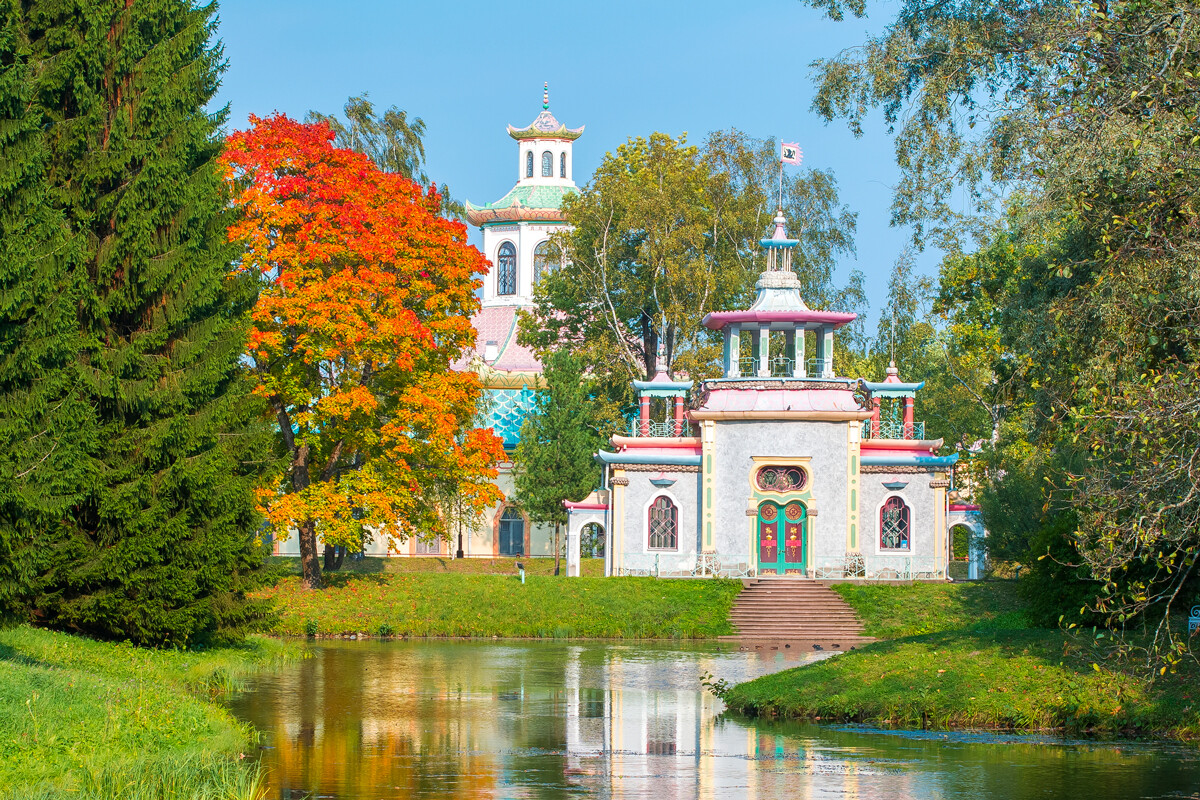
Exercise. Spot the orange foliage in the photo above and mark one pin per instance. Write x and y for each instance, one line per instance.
(365, 300)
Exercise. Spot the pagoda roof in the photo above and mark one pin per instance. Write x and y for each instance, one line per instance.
(545, 126)
(719, 319)
(532, 201)
(499, 324)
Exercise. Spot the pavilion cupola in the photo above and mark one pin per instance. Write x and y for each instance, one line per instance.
(892, 408)
(768, 340)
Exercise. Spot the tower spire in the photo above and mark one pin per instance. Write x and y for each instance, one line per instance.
(546, 95)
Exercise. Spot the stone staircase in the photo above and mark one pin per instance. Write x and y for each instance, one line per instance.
(783, 609)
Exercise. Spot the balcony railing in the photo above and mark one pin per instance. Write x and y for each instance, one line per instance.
(748, 367)
(892, 429)
(656, 428)
(819, 367)
(782, 367)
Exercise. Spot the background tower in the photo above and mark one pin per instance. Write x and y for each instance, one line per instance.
(516, 228)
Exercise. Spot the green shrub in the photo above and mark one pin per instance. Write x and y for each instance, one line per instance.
(1053, 584)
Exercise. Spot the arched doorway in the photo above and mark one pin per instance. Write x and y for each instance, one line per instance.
(782, 531)
(591, 541)
(511, 533)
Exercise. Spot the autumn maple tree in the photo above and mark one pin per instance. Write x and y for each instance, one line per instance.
(366, 296)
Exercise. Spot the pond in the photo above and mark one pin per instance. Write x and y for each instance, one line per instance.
(503, 719)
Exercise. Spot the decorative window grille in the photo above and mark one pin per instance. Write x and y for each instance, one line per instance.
(781, 479)
(894, 525)
(529, 164)
(429, 548)
(506, 266)
(545, 258)
(547, 164)
(664, 524)
(562, 165)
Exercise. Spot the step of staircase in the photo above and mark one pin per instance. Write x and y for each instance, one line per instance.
(794, 610)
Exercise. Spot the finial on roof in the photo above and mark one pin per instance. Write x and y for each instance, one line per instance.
(546, 94)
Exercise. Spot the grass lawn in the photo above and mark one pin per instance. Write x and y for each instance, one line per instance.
(374, 565)
(454, 604)
(962, 656)
(893, 611)
(92, 720)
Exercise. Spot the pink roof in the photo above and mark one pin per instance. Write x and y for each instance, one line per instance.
(770, 400)
(719, 319)
(931, 445)
(499, 324)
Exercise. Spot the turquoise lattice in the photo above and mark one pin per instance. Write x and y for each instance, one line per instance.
(509, 408)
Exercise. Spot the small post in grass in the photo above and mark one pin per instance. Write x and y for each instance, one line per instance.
(521, 569)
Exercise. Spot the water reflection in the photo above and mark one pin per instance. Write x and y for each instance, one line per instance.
(517, 720)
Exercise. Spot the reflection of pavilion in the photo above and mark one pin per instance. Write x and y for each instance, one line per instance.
(643, 740)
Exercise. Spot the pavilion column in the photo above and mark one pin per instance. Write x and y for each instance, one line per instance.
(876, 414)
(789, 350)
(908, 418)
(827, 336)
(733, 351)
(801, 367)
(679, 415)
(644, 414)
(764, 351)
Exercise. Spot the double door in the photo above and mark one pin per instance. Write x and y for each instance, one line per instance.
(781, 535)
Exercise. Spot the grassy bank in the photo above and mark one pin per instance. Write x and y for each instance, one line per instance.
(86, 719)
(963, 658)
(452, 604)
(895, 611)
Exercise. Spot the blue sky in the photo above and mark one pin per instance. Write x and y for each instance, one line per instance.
(621, 68)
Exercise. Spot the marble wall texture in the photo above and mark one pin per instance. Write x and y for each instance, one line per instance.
(735, 445)
(635, 553)
(926, 509)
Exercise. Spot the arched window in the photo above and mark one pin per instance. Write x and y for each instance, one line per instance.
(545, 259)
(664, 525)
(528, 163)
(506, 269)
(894, 525)
(512, 533)
(547, 164)
(562, 165)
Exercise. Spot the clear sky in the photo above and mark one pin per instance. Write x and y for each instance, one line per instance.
(622, 68)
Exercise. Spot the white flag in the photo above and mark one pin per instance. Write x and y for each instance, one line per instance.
(790, 153)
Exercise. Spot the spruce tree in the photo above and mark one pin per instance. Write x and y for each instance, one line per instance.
(157, 545)
(554, 459)
(44, 425)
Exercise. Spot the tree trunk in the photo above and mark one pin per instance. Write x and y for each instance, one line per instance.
(333, 558)
(557, 549)
(310, 565)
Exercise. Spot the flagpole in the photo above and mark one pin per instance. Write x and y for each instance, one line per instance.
(781, 184)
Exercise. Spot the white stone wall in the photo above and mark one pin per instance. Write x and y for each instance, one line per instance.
(633, 551)
(525, 236)
(735, 443)
(926, 517)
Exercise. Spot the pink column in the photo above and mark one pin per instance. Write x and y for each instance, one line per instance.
(876, 412)
(644, 414)
(678, 416)
(908, 417)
